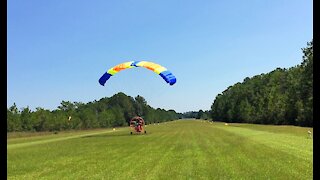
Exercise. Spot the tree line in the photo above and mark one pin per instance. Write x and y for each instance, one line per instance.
(197, 114)
(282, 96)
(107, 112)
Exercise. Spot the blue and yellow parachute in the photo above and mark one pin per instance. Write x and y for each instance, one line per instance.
(162, 71)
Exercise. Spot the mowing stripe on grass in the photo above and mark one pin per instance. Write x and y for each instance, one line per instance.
(301, 147)
(18, 145)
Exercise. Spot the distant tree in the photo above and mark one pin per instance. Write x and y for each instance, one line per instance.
(26, 121)
(140, 105)
(13, 119)
(107, 118)
(199, 114)
(41, 119)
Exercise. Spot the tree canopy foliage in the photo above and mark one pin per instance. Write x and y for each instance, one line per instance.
(107, 112)
(282, 96)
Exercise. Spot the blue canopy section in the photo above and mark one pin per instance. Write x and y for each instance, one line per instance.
(104, 78)
(168, 77)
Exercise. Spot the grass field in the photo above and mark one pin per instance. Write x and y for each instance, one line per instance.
(183, 149)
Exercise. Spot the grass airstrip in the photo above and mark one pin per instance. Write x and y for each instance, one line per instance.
(182, 149)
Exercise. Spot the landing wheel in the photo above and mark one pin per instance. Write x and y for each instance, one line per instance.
(145, 132)
(130, 132)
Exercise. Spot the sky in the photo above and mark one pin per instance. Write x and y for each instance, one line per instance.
(58, 50)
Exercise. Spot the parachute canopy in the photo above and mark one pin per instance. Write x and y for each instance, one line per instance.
(162, 71)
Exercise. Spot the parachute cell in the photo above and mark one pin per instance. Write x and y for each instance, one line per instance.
(160, 70)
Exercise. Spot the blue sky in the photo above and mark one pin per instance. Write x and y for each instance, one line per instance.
(57, 50)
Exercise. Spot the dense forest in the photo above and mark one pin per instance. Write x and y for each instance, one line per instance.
(107, 112)
(282, 96)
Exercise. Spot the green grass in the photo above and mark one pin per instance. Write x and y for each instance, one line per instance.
(184, 149)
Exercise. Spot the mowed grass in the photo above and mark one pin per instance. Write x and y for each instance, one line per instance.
(183, 149)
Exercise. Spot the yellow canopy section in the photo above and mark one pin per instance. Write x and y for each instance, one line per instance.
(151, 66)
(120, 67)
